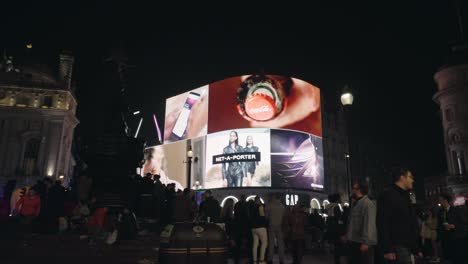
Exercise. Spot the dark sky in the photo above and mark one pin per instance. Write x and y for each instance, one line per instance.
(388, 53)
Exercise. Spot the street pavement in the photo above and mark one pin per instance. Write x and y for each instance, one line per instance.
(68, 248)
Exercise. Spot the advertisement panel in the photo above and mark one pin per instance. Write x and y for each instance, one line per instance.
(168, 161)
(186, 115)
(296, 160)
(238, 158)
(198, 162)
(264, 101)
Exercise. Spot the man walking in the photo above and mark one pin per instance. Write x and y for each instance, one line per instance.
(397, 223)
(362, 230)
(275, 214)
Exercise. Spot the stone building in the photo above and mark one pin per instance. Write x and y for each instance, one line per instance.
(452, 97)
(37, 120)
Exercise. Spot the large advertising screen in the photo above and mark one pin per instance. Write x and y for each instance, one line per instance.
(168, 161)
(238, 158)
(296, 160)
(186, 115)
(267, 101)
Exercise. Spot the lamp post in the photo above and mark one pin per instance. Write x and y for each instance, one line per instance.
(347, 99)
(189, 166)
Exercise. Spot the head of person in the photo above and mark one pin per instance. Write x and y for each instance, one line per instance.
(402, 177)
(229, 204)
(32, 192)
(48, 182)
(233, 138)
(207, 194)
(187, 192)
(445, 200)
(257, 200)
(157, 177)
(334, 198)
(359, 190)
(249, 141)
(172, 186)
(242, 197)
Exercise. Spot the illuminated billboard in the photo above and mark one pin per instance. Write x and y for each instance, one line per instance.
(168, 161)
(186, 115)
(268, 101)
(244, 131)
(238, 158)
(296, 160)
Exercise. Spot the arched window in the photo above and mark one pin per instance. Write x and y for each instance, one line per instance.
(30, 158)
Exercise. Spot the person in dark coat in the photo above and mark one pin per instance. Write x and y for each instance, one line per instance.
(397, 223)
(453, 228)
(210, 208)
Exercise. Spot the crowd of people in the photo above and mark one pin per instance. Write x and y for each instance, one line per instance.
(368, 231)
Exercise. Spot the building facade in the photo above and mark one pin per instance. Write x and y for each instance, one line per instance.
(452, 97)
(37, 120)
(363, 156)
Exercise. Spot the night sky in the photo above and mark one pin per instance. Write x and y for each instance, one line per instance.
(387, 53)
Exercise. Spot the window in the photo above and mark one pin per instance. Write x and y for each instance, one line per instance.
(22, 100)
(47, 101)
(448, 115)
(31, 153)
(461, 162)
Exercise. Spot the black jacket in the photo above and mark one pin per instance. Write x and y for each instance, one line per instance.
(455, 217)
(397, 224)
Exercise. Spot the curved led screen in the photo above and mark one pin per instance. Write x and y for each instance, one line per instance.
(244, 131)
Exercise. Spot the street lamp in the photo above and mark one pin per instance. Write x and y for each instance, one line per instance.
(189, 164)
(347, 99)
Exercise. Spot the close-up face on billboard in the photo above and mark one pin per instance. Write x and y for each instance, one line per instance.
(264, 101)
(186, 115)
(238, 158)
(168, 162)
(296, 160)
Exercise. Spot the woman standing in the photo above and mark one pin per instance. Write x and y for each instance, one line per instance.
(259, 231)
(250, 166)
(429, 234)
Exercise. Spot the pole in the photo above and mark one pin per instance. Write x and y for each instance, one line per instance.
(348, 155)
(189, 172)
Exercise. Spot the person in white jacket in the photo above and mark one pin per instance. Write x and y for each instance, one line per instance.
(361, 228)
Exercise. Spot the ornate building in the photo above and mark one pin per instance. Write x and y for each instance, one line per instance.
(37, 120)
(452, 97)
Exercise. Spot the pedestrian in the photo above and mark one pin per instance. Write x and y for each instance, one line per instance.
(453, 231)
(361, 228)
(397, 223)
(275, 213)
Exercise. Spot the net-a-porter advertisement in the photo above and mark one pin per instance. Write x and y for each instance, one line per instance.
(186, 115)
(238, 158)
(168, 161)
(296, 160)
(264, 101)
